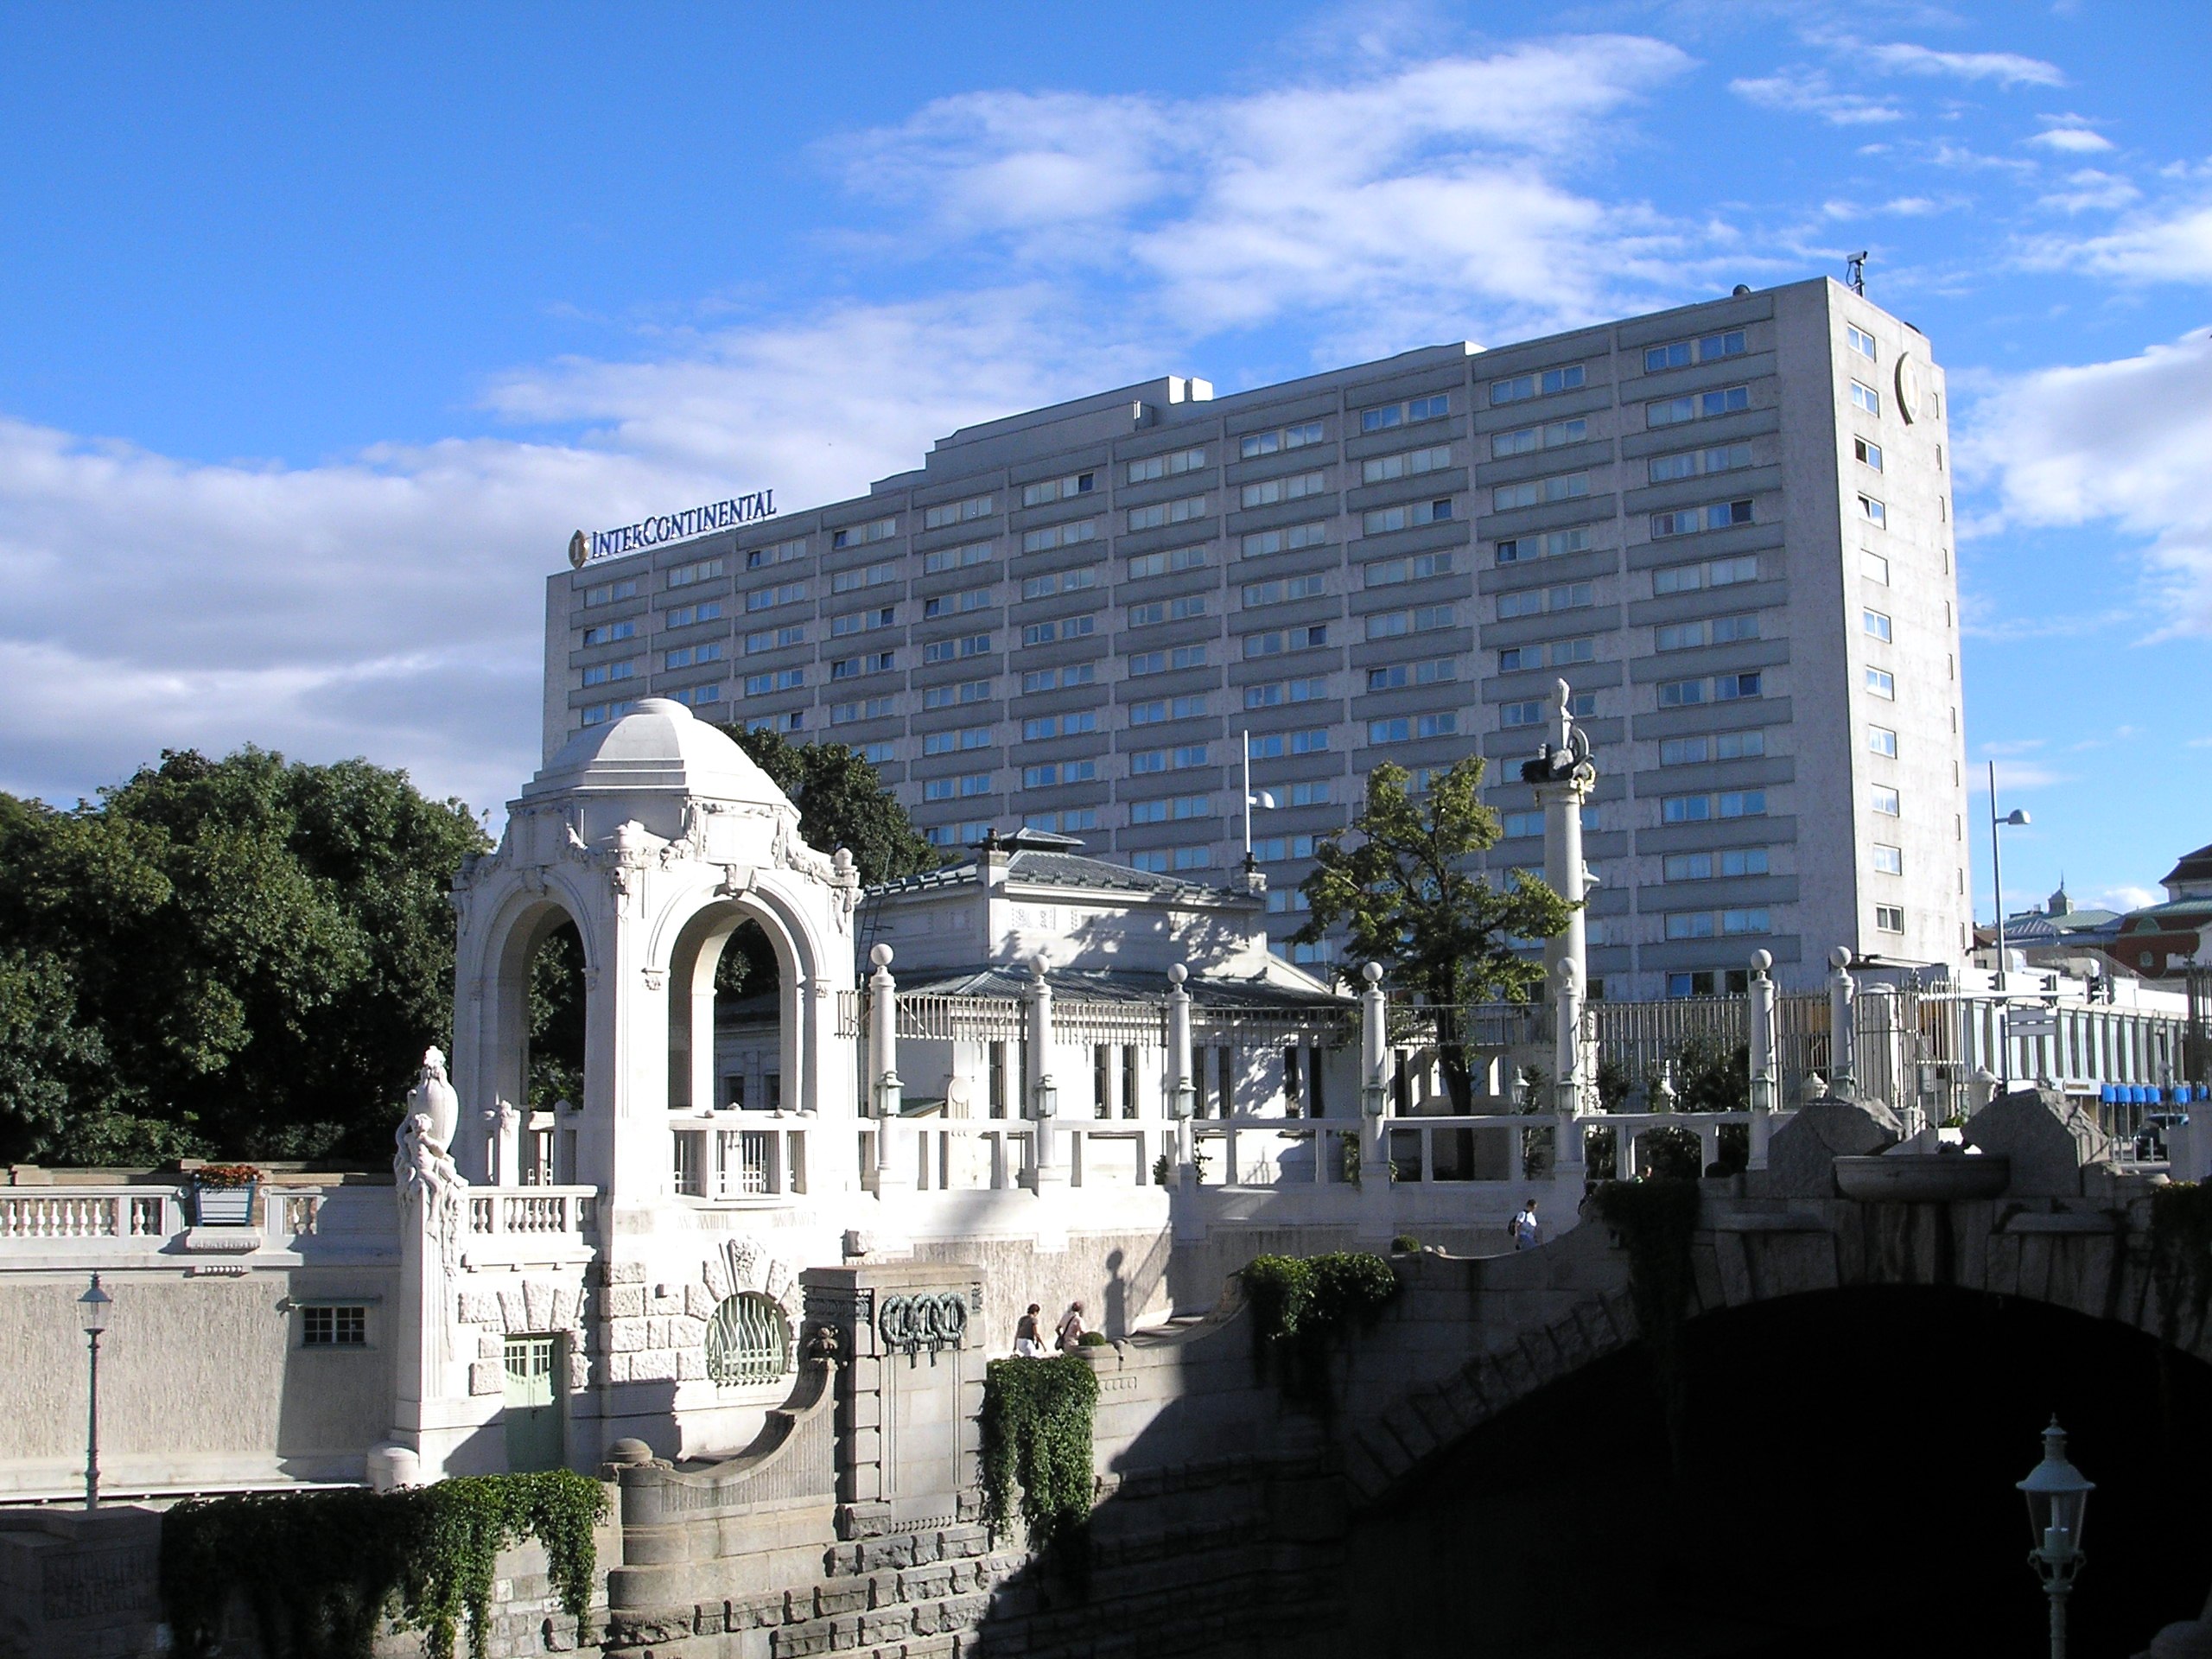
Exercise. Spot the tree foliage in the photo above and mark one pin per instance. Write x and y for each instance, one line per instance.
(1401, 882)
(243, 957)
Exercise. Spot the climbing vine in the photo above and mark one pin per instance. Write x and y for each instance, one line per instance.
(1301, 1305)
(1037, 1432)
(1655, 1220)
(2181, 1256)
(322, 1571)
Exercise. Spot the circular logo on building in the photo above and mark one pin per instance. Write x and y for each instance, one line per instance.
(1909, 386)
(577, 549)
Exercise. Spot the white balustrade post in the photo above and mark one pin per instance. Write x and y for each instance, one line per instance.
(1765, 1068)
(1184, 1093)
(1044, 1102)
(1374, 1077)
(895, 1152)
(1843, 1030)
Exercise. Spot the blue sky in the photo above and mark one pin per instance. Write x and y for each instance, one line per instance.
(323, 327)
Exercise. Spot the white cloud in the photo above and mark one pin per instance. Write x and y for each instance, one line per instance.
(2074, 140)
(1808, 92)
(2121, 442)
(1400, 201)
(2006, 68)
(2090, 190)
(2013, 775)
(2175, 247)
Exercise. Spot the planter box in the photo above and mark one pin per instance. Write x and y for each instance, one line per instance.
(223, 1206)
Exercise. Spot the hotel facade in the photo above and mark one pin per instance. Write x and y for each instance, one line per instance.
(1727, 527)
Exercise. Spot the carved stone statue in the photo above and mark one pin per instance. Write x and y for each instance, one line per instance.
(432, 1098)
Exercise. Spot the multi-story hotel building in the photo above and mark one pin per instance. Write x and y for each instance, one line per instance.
(1727, 526)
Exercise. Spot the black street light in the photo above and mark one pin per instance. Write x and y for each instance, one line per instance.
(2058, 1498)
(94, 1305)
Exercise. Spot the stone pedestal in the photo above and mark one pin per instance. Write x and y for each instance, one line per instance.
(910, 1385)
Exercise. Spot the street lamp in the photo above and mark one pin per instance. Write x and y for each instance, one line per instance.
(2058, 1498)
(94, 1305)
(2016, 819)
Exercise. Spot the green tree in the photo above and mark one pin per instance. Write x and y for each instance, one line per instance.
(1406, 893)
(242, 956)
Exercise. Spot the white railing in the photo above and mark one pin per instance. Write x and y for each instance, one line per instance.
(533, 1211)
(135, 1213)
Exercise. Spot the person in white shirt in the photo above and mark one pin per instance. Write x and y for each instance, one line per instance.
(1528, 1232)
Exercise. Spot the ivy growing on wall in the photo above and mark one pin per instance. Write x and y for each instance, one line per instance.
(1037, 1432)
(322, 1571)
(2181, 1256)
(1655, 1220)
(1302, 1305)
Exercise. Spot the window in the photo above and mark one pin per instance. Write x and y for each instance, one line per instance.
(966, 787)
(1882, 683)
(338, 1325)
(843, 714)
(1177, 807)
(1401, 730)
(1557, 653)
(1406, 463)
(876, 753)
(1276, 643)
(692, 695)
(1864, 396)
(849, 668)
(683, 576)
(783, 679)
(1873, 511)
(1263, 542)
(1068, 628)
(1860, 340)
(1254, 444)
(1705, 630)
(1744, 921)
(1159, 564)
(1689, 925)
(607, 633)
(1436, 670)
(1072, 821)
(1281, 691)
(1880, 740)
(790, 720)
(1167, 512)
(600, 713)
(1520, 714)
(1062, 771)
(1682, 353)
(1285, 901)
(1386, 573)
(602, 673)
(1408, 516)
(1072, 725)
(1888, 861)
(868, 575)
(1561, 486)
(951, 650)
(1193, 858)
(973, 737)
(1258, 594)
(1706, 867)
(1699, 406)
(1691, 463)
(1549, 545)
(1877, 624)
(1053, 535)
(973, 599)
(1743, 803)
(1518, 824)
(1889, 919)
(876, 530)
(944, 697)
(760, 558)
(1869, 455)
(942, 559)
(958, 513)
(684, 616)
(1726, 688)
(1713, 573)
(1315, 794)
(1529, 439)
(1268, 491)
(1057, 489)
(1273, 746)
(1419, 409)
(1153, 863)
(1718, 746)
(767, 599)
(1148, 761)
(1886, 802)
(1173, 465)
(608, 592)
(1874, 568)
(862, 621)
(1544, 385)
(748, 1340)
(1686, 521)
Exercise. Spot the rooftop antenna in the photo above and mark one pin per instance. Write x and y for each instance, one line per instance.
(1855, 272)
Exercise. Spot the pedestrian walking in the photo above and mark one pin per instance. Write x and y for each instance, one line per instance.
(1528, 1232)
(1027, 1343)
(1070, 1334)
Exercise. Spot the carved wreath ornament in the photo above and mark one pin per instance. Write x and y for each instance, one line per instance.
(930, 1321)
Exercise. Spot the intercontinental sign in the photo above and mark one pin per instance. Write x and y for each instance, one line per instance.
(671, 527)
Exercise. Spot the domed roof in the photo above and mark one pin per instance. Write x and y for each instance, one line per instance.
(659, 746)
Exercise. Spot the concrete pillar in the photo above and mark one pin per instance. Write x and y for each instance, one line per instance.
(1373, 1077)
(1765, 1065)
(1044, 1100)
(1843, 1030)
(1182, 1092)
(894, 1149)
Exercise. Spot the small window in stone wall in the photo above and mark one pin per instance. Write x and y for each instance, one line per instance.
(748, 1340)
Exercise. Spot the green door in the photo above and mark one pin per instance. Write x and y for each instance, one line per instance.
(533, 1403)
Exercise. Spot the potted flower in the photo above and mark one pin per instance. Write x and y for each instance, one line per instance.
(222, 1194)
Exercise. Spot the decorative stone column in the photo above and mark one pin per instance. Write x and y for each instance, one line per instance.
(894, 1157)
(503, 1160)
(1044, 1093)
(1765, 1067)
(1374, 1079)
(1563, 778)
(1843, 1030)
(1567, 1058)
(1183, 1093)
